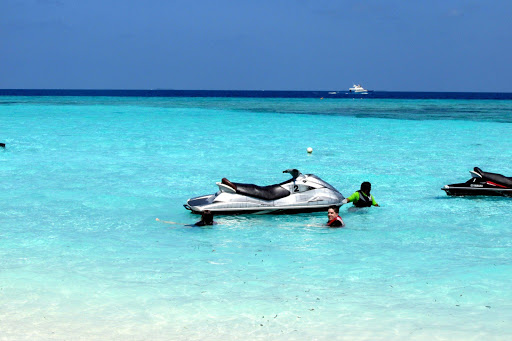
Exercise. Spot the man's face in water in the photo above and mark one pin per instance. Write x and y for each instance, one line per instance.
(331, 214)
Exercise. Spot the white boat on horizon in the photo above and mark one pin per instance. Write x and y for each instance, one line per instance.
(358, 89)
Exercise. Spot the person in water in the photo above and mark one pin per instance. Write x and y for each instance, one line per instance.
(334, 218)
(362, 198)
(206, 219)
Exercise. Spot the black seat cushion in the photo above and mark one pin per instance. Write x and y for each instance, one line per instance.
(494, 177)
(272, 192)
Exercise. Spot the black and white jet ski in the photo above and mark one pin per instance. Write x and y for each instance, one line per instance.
(482, 183)
(302, 193)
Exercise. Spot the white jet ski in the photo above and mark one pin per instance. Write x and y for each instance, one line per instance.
(302, 193)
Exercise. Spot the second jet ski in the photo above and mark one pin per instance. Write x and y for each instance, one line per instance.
(301, 193)
(482, 183)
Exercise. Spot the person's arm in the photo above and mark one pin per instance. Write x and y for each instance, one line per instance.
(374, 203)
(353, 197)
(166, 222)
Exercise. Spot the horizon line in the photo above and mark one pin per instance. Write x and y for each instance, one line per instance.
(244, 90)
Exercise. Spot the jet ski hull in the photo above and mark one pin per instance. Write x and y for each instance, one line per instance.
(464, 189)
(227, 203)
(267, 210)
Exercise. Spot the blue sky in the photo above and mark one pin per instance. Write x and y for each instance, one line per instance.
(450, 45)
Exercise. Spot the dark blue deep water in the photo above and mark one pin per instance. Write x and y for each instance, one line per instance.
(256, 94)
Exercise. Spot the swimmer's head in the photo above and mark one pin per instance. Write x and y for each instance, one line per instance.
(366, 187)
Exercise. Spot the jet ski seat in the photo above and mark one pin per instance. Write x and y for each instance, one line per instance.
(494, 177)
(272, 192)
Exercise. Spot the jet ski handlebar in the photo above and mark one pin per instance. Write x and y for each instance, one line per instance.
(293, 172)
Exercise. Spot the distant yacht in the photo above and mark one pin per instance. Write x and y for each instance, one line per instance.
(358, 89)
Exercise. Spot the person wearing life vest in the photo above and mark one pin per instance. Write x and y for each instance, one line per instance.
(334, 218)
(362, 198)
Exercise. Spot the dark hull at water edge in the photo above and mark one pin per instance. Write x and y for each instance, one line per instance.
(461, 191)
(257, 94)
(273, 211)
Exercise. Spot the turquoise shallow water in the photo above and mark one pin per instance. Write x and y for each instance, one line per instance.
(83, 179)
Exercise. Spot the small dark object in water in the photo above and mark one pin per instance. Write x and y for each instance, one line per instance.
(2, 145)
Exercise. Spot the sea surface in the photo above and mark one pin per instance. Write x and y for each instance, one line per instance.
(84, 176)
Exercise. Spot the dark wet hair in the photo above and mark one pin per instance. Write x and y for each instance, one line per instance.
(335, 208)
(366, 187)
(207, 217)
